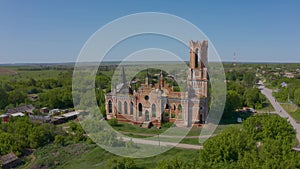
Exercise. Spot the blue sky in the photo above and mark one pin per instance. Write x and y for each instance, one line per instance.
(55, 31)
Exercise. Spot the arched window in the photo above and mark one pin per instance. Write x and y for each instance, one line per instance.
(174, 107)
(119, 107)
(131, 108)
(179, 107)
(140, 109)
(109, 106)
(147, 115)
(153, 109)
(125, 108)
(167, 106)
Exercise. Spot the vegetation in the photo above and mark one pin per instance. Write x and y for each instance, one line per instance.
(261, 141)
(20, 133)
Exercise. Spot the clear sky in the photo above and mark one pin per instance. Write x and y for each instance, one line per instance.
(55, 31)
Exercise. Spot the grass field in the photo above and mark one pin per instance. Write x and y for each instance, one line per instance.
(14, 73)
(137, 132)
(292, 110)
(83, 155)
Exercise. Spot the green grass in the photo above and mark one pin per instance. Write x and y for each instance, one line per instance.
(83, 155)
(194, 141)
(36, 75)
(296, 115)
(125, 127)
(292, 110)
(288, 107)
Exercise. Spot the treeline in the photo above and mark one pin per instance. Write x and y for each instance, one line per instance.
(52, 92)
(52, 67)
(241, 91)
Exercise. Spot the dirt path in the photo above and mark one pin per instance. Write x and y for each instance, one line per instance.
(165, 136)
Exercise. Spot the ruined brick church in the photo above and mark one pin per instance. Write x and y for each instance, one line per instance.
(158, 103)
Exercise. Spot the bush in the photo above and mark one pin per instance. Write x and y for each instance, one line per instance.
(173, 115)
(113, 122)
(168, 125)
(60, 140)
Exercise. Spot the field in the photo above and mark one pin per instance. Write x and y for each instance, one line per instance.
(21, 73)
(292, 110)
(192, 137)
(90, 156)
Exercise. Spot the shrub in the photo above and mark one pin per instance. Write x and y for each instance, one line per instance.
(113, 122)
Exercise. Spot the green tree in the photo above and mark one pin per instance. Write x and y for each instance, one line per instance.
(16, 97)
(3, 98)
(253, 98)
(297, 96)
(233, 102)
(121, 163)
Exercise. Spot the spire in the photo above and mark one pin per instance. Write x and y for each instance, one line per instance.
(123, 76)
(161, 79)
(147, 78)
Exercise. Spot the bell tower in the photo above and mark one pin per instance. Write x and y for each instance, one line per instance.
(197, 82)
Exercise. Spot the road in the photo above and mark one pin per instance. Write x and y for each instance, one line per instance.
(163, 143)
(166, 136)
(279, 110)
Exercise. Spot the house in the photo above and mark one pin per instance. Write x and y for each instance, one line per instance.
(19, 114)
(9, 161)
(36, 118)
(4, 117)
(21, 109)
(289, 75)
(57, 120)
(54, 112)
(71, 115)
(32, 97)
(44, 110)
(283, 84)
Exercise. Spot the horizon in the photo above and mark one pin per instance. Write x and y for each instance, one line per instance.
(116, 62)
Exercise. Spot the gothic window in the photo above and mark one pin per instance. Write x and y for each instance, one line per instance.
(180, 107)
(147, 115)
(153, 109)
(119, 107)
(167, 106)
(140, 109)
(109, 106)
(131, 108)
(125, 108)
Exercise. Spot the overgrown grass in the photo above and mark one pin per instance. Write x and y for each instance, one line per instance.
(292, 110)
(26, 74)
(91, 156)
(125, 127)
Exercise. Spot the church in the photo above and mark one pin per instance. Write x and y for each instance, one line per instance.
(154, 104)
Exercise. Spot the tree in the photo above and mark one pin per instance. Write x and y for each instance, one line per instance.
(16, 97)
(175, 163)
(297, 96)
(123, 163)
(233, 102)
(3, 98)
(60, 140)
(253, 98)
(264, 141)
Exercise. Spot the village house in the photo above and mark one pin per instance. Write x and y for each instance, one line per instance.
(9, 161)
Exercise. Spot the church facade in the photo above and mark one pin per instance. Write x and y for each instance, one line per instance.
(158, 103)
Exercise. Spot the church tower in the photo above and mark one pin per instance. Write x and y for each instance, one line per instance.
(197, 83)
